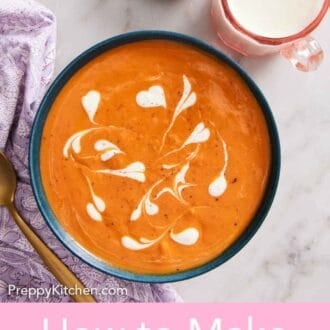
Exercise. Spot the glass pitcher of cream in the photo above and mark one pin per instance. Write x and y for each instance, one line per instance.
(260, 27)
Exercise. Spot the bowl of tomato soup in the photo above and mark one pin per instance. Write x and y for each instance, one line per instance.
(154, 157)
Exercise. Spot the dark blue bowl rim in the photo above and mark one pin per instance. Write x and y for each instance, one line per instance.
(34, 156)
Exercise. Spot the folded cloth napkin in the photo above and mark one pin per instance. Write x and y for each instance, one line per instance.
(27, 54)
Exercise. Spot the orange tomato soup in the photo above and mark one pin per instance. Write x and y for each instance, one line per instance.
(155, 157)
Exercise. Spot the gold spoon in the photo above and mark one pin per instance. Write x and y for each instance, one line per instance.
(55, 265)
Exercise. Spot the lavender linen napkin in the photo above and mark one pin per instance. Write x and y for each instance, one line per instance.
(27, 54)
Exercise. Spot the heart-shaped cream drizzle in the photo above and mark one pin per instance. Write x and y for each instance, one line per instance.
(152, 98)
(107, 148)
(188, 236)
(133, 171)
(90, 103)
(200, 134)
(219, 185)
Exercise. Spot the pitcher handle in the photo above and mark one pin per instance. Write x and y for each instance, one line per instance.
(304, 54)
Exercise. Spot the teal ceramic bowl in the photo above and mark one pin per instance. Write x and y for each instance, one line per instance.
(34, 158)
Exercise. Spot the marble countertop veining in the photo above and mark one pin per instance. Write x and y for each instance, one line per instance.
(289, 258)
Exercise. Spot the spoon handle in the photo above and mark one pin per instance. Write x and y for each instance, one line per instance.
(55, 265)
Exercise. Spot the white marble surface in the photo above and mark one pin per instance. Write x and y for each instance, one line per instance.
(289, 258)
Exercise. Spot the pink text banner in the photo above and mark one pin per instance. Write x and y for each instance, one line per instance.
(165, 316)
